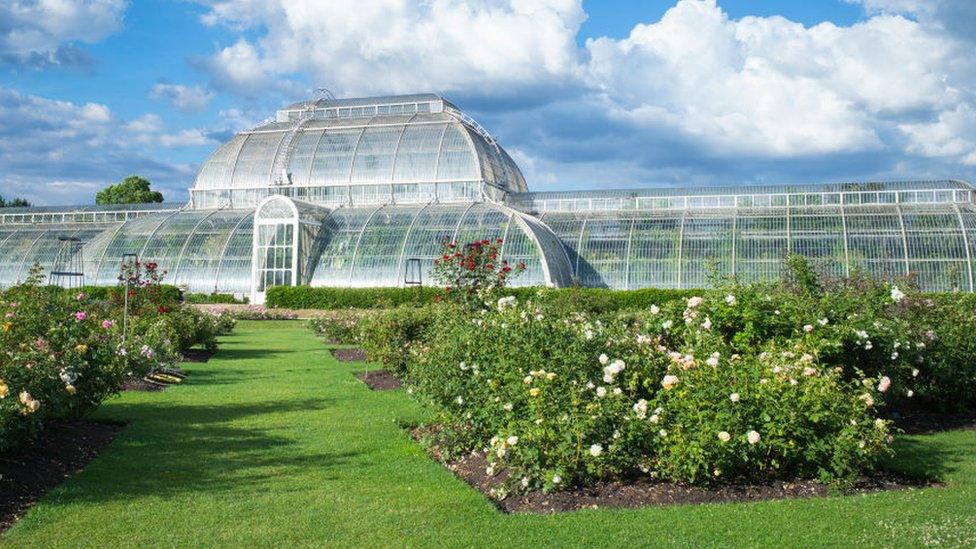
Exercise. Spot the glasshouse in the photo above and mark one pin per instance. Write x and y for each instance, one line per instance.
(345, 192)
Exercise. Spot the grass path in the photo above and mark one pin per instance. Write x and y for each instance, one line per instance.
(274, 443)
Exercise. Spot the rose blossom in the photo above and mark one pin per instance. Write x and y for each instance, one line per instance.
(81, 315)
(724, 436)
(752, 437)
(596, 450)
(884, 383)
(669, 381)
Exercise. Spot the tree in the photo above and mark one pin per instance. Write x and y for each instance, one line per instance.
(131, 190)
(15, 203)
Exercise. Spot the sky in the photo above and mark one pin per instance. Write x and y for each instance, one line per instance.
(584, 94)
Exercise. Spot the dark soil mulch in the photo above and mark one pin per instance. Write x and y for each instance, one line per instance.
(354, 354)
(380, 380)
(644, 491)
(62, 449)
(139, 384)
(197, 355)
(924, 423)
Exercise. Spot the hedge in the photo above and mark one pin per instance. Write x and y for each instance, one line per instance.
(589, 299)
(169, 293)
(206, 299)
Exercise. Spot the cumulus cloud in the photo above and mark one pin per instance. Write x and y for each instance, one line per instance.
(770, 86)
(695, 91)
(40, 33)
(190, 99)
(955, 16)
(59, 152)
(392, 46)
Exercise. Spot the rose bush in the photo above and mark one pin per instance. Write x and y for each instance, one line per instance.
(474, 272)
(576, 399)
(344, 326)
(61, 355)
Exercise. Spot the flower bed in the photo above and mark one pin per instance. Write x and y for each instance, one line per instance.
(742, 383)
(62, 352)
(248, 312)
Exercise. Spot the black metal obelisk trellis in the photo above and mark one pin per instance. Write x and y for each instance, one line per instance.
(68, 268)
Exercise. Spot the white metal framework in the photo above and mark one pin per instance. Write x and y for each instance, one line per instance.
(343, 192)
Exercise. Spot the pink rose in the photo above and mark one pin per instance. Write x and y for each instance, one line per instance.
(81, 315)
(107, 324)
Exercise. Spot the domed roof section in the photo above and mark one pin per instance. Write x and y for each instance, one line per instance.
(410, 139)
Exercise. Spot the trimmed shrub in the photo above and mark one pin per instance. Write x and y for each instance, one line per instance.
(594, 300)
(306, 297)
(202, 299)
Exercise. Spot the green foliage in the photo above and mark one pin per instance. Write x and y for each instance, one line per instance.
(63, 355)
(168, 294)
(595, 300)
(15, 203)
(326, 298)
(131, 190)
(342, 326)
(200, 299)
(182, 328)
(562, 400)
(388, 337)
(472, 274)
(272, 421)
(781, 379)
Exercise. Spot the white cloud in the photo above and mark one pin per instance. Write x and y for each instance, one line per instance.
(58, 151)
(189, 99)
(762, 87)
(953, 135)
(769, 86)
(40, 32)
(390, 46)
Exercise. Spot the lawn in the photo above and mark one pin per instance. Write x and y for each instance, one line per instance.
(272, 442)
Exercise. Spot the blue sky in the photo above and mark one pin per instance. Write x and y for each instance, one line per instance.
(595, 95)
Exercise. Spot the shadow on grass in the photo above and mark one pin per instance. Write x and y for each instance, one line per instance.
(928, 458)
(181, 449)
(248, 354)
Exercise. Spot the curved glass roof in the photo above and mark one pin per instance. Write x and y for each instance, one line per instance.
(367, 145)
(370, 246)
(206, 251)
(635, 249)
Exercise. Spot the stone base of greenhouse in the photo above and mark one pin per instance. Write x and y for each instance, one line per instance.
(346, 192)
